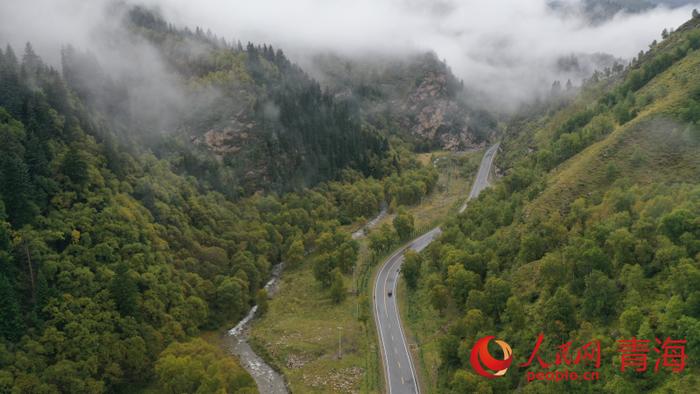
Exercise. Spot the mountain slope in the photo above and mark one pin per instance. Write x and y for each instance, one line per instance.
(250, 108)
(113, 258)
(414, 96)
(649, 139)
(592, 234)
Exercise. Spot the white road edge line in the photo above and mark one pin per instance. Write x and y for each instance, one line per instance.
(379, 323)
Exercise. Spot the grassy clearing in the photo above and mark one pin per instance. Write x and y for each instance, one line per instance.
(299, 334)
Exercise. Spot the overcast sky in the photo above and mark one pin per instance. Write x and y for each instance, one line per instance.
(502, 46)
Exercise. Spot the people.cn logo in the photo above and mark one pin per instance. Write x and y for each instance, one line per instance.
(481, 358)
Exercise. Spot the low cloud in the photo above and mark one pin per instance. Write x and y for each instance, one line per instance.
(507, 49)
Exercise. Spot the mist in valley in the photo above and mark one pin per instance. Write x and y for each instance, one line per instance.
(508, 52)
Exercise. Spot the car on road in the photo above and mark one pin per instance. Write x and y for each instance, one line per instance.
(389, 294)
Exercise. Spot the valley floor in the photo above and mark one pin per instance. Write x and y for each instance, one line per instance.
(303, 332)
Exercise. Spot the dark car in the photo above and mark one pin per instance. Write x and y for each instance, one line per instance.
(389, 294)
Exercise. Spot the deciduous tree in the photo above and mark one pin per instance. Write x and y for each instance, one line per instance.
(403, 224)
(411, 268)
(295, 253)
(338, 290)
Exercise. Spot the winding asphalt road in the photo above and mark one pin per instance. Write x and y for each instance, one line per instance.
(482, 176)
(399, 371)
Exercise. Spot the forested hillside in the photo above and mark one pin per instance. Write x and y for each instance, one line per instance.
(592, 234)
(246, 106)
(416, 97)
(150, 184)
(118, 244)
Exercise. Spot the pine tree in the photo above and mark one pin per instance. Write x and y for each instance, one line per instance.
(14, 177)
(74, 166)
(10, 88)
(556, 88)
(43, 292)
(10, 59)
(31, 63)
(10, 322)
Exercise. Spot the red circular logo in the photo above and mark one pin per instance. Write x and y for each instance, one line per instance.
(480, 358)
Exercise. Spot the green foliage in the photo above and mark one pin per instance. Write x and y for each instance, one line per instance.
(335, 250)
(123, 290)
(576, 121)
(295, 253)
(677, 223)
(323, 266)
(74, 166)
(691, 113)
(16, 189)
(364, 309)
(586, 237)
(338, 290)
(599, 297)
(611, 172)
(403, 225)
(439, 297)
(631, 319)
(497, 291)
(624, 111)
(559, 313)
(198, 367)
(608, 265)
(231, 297)
(261, 301)
(460, 282)
(411, 268)
(575, 141)
(356, 197)
(289, 133)
(386, 83)
(110, 253)
(382, 239)
(10, 321)
(514, 314)
(410, 187)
